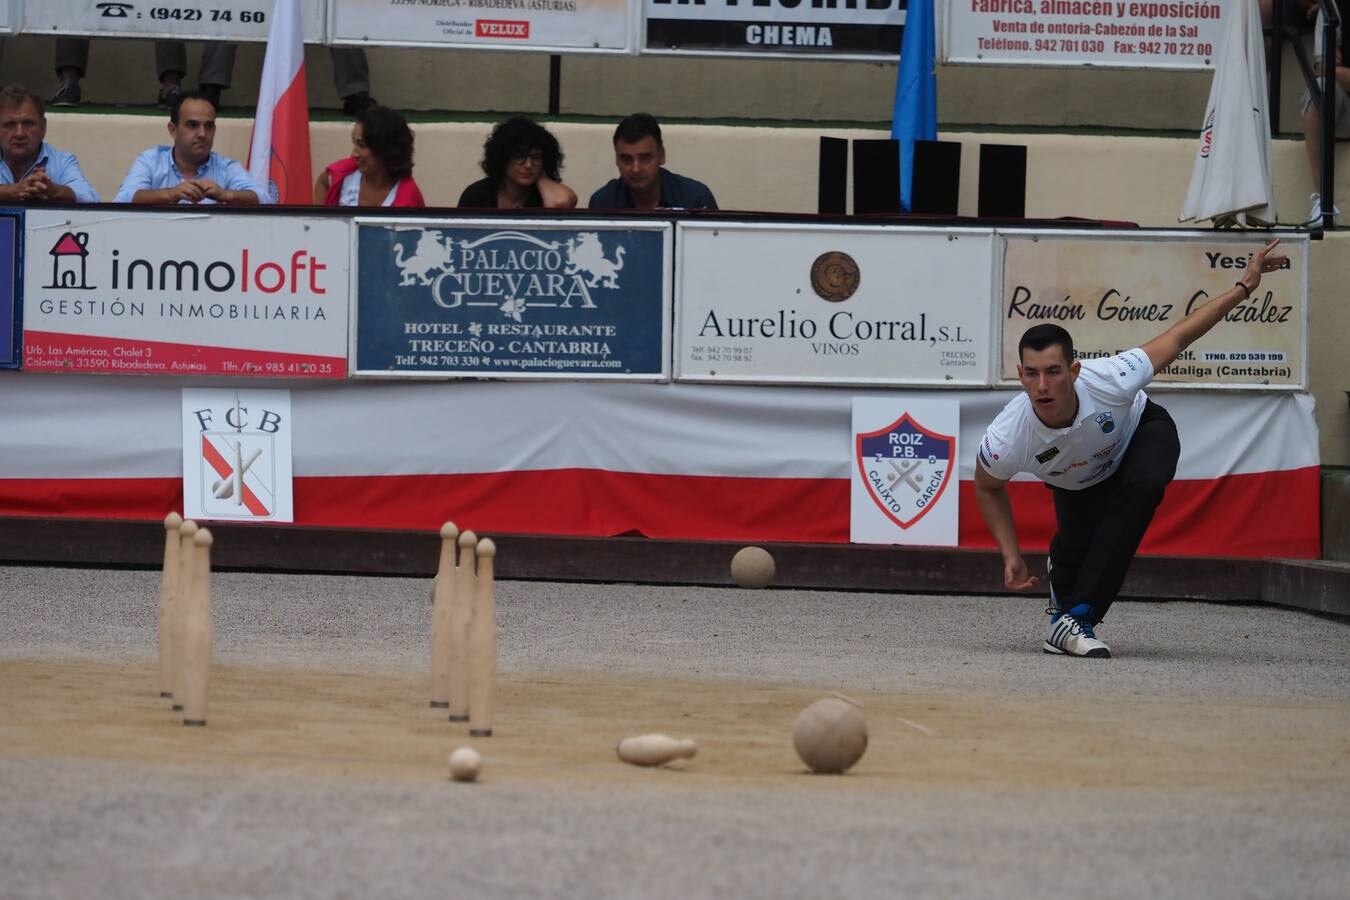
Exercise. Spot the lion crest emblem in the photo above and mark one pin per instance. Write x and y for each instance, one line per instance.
(586, 256)
(432, 257)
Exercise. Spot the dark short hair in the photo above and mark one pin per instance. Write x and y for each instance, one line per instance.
(388, 136)
(520, 136)
(636, 127)
(1038, 337)
(184, 97)
(13, 96)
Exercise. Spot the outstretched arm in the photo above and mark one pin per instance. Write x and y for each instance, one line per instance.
(991, 496)
(1166, 347)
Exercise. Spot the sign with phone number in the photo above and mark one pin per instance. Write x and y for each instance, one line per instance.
(185, 294)
(1113, 293)
(512, 299)
(1109, 33)
(229, 20)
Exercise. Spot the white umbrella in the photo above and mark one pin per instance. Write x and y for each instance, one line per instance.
(1231, 178)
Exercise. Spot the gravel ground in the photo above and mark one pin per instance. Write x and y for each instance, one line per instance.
(858, 640)
(73, 828)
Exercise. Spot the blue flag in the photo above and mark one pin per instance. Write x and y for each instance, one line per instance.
(915, 117)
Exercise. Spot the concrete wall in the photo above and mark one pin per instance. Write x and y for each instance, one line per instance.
(121, 72)
(1135, 179)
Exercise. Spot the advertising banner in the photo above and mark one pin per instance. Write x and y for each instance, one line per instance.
(1111, 33)
(834, 305)
(227, 20)
(1113, 293)
(595, 26)
(237, 455)
(904, 471)
(11, 226)
(186, 294)
(847, 29)
(524, 298)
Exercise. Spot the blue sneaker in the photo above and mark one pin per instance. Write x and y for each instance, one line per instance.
(1071, 634)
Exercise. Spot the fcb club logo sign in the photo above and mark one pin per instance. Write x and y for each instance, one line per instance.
(237, 455)
(905, 468)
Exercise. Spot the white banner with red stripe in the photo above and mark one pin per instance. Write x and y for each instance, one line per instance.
(665, 460)
(186, 293)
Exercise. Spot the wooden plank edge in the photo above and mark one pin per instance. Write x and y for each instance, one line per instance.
(413, 553)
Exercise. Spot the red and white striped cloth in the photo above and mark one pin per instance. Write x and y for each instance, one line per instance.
(667, 461)
(279, 154)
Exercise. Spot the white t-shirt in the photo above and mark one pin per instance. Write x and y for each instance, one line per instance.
(351, 191)
(1110, 401)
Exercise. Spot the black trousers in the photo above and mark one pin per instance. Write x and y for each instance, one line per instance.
(1099, 528)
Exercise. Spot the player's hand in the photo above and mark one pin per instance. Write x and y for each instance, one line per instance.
(1261, 262)
(1016, 575)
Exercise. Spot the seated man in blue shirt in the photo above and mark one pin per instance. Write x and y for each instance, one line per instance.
(189, 171)
(34, 171)
(643, 183)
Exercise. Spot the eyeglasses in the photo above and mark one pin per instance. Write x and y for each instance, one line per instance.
(534, 156)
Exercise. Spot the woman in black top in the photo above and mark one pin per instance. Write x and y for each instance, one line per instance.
(523, 163)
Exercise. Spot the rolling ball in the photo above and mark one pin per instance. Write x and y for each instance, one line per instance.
(830, 736)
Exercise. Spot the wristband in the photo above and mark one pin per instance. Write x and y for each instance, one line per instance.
(1246, 291)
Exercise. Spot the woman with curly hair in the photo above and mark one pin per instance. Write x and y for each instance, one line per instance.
(379, 170)
(523, 164)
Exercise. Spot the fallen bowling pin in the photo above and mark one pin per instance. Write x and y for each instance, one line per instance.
(655, 749)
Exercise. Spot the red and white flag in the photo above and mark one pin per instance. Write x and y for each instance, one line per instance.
(279, 157)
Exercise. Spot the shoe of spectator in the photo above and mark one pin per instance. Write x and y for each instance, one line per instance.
(167, 94)
(357, 103)
(1315, 210)
(211, 92)
(68, 94)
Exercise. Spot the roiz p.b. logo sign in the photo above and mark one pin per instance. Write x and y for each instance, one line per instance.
(906, 467)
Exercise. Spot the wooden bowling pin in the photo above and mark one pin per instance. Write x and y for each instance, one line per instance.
(186, 532)
(655, 749)
(168, 587)
(461, 612)
(196, 646)
(483, 645)
(440, 617)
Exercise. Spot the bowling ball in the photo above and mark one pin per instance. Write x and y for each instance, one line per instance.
(752, 567)
(830, 735)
